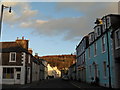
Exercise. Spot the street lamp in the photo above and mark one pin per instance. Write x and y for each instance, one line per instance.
(2, 8)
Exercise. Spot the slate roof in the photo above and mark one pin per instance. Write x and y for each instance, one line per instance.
(11, 47)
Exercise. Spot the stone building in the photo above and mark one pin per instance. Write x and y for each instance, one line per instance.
(16, 62)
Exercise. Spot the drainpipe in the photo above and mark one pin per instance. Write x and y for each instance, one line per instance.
(108, 57)
(109, 62)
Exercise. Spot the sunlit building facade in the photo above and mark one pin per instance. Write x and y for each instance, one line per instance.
(100, 65)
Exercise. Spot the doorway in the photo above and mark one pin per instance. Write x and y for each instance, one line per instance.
(17, 78)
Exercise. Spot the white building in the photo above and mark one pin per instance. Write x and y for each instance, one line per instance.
(35, 71)
(53, 71)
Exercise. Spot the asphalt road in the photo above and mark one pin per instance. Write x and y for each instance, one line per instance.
(52, 83)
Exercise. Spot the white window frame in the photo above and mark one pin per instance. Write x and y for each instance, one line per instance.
(89, 38)
(98, 30)
(116, 47)
(92, 37)
(104, 25)
(102, 44)
(10, 56)
(6, 73)
(95, 33)
(108, 21)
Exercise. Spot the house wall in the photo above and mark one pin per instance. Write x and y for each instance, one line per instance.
(22, 62)
(35, 71)
(99, 59)
(81, 62)
(6, 58)
(116, 53)
(95, 65)
(0, 74)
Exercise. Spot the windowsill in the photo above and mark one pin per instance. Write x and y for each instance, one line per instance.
(103, 51)
(117, 47)
(8, 78)
(12, 61)
(95, 55)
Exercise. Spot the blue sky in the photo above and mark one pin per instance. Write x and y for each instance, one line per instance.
(43, 45)
(52, 28)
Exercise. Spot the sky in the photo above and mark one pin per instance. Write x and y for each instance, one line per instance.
(53, 28)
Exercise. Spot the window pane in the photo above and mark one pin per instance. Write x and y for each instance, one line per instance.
(13, 57)
(95, 49)
(18, 76)
(103, 43)
(104, 67)
(8, 70)
(4, 72)
(8, 73)
(118, 38)
(12, 70)
(18, 69)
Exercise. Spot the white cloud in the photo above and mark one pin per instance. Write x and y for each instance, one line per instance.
(21, 12)
(72, 28)
(75, 27)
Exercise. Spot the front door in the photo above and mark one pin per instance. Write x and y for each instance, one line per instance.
(17, 78)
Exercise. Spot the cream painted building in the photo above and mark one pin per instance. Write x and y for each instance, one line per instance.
(53, 71)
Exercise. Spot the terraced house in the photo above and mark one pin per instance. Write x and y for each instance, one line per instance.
(116, 52)
(101, 54)
(18, 65)
(16, 62)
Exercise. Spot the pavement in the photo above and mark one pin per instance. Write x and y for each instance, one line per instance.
(84, 85)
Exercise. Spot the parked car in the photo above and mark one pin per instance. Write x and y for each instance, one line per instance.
(65, 77)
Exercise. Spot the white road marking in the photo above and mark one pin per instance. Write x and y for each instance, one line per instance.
(75, 85)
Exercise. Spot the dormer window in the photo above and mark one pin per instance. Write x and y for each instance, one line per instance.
(91, 38)
(108, 22)
(103, 44)
(117, 38)
(98, 31)
(104, 25)
(12, 57)
(95, 33)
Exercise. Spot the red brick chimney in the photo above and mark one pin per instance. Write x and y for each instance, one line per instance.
(22, 42)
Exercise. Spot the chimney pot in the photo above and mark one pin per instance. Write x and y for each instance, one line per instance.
(23, 38)
(17, 38)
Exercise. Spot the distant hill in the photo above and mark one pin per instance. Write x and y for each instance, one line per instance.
(61, 61)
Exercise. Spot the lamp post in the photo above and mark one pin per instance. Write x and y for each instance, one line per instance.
(2, 8)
